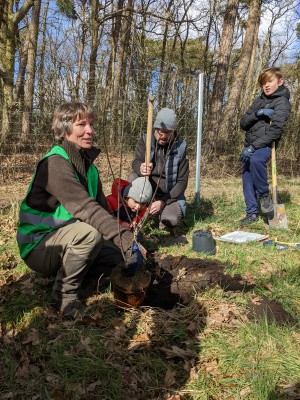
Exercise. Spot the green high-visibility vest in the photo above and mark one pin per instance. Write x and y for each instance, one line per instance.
(35, 224)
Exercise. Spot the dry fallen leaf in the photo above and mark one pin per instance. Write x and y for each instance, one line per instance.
(290, 389)
(33, 337)
(117, 323)
(54, 379)
(178, 352)
(244, 392)
(210, 367)
(28, 283)
(256, 300)
(91, 387)
(138, 341)
(174, 397)
(85, 342)
(181, 274)
(23, 369)
(170, 378)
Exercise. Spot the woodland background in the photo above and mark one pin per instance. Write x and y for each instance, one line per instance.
(239, 337)
(114, 54)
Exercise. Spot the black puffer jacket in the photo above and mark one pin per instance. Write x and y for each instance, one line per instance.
(259, 132)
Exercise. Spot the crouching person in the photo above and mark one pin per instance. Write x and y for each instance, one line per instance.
(168, 170)
(65, 227)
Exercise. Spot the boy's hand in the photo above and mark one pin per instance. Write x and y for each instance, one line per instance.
(126, 225)
(265, 112)
(247, 153)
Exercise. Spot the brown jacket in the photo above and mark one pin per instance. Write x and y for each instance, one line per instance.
(56, 183)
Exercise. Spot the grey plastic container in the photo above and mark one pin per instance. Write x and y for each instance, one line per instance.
(203, 242)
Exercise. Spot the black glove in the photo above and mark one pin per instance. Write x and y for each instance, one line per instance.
(265, 112)
(133, 260)
(247, 153)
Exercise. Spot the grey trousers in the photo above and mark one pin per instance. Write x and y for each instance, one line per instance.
(171, 215)
(69, 253)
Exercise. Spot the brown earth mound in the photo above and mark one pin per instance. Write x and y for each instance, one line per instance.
(177, 279)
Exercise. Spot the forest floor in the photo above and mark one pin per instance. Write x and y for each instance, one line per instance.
(215, 327)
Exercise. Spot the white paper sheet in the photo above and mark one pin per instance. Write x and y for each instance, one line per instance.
(241, 237)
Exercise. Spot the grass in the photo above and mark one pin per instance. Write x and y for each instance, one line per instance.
(212, 349)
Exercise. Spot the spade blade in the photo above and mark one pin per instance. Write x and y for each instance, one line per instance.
(279, 219)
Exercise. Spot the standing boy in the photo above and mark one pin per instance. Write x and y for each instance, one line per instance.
(264, 123)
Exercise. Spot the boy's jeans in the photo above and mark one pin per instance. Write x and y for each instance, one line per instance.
(255, 178)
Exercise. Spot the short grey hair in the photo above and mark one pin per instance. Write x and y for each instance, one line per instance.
(65, 115)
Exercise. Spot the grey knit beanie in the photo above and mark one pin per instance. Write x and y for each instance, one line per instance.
(165, 119)
(139, 190)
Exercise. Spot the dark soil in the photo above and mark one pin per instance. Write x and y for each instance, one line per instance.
(270, 310)
(175, 280)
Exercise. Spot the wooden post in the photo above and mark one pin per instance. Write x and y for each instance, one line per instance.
(149, 129)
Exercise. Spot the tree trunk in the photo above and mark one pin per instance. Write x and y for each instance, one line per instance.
(19, 89)
(109, 79)
(251, 84)
(81, 53)
(41, 70)
(143, 75)
(163, 57)
(115, 33)
(31, 67)
(265, 53)
(91, 85)
(232, 106)
(118, 92)
(7, 56)
(170, 76)
(221, 72)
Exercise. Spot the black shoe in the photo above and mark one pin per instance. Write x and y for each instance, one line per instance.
(266, 204)
(249, 219)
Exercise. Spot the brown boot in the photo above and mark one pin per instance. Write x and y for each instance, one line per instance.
(69, 305)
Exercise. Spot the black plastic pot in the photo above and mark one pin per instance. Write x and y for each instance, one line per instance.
(203, 242)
